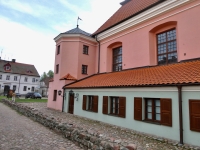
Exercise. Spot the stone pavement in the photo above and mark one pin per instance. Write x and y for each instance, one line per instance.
(18, 132)
(113, 133)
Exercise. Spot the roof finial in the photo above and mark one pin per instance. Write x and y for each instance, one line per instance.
(77, 21)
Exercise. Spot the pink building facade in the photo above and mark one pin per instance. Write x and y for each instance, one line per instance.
(160, 35)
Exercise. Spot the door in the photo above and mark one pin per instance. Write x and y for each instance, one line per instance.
(71, 104)
(6, 89)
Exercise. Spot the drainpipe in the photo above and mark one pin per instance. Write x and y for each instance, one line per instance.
(99, 55)
(63, 100)
(180, 113)
(19, 83)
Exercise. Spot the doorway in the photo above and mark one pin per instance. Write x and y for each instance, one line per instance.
(6, 89)
(71, 104)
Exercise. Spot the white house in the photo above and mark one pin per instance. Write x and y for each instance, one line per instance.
(22, 78)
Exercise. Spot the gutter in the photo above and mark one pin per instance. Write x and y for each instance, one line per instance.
(180, 112)
(99, 55)
(63, 100)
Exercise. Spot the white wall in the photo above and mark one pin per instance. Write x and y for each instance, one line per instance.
(20, 83)
(129, 122)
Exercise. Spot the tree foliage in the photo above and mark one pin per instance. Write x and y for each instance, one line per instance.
(46, 75)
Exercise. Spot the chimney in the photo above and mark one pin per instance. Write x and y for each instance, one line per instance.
(13, 60)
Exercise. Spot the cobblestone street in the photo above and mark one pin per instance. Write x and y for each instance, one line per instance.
(18, 132)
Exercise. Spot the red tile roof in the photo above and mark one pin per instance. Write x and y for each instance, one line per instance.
(126, 11)
(51, 80)
(68, 77)
(179, 73)
(19, 68)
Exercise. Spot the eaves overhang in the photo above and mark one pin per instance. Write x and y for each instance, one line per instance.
(161, 8)
(66, 35)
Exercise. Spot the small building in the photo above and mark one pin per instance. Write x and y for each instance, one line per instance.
(20, 77)
(140, 70)
(44, 86)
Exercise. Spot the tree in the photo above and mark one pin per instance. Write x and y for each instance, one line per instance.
(50, 74)
(46, 75)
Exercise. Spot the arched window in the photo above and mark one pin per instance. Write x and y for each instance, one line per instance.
(115, 55)
(163, 43)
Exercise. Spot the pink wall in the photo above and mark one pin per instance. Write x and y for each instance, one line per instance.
(70, 61)
(139, 46)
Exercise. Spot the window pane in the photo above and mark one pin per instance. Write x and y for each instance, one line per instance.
(149, 115)
(172, 57)
(157, 110)
(162, 59)
(158, 117)
(161, 38)
(149, 102)
(171, 35)
(172, 46)
(149, 109)
(162, 48)
(157, 102)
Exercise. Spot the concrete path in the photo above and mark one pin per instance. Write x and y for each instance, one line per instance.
(18, 132)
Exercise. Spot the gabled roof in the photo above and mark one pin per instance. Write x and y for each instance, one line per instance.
(68, 77)
(19, 68)
(128, 9)
(179, 73)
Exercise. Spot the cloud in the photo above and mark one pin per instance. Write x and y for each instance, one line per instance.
(27, 8)
(27, 45)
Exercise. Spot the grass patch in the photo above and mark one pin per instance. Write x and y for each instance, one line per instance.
(27, 100)
(31, 100)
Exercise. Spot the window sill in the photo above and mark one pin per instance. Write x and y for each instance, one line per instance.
(151, 122)
(91, 111)
(114, 115)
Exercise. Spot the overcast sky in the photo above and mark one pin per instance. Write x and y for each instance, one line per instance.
(28, 27)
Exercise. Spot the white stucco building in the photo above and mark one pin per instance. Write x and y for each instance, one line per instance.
(22, 78)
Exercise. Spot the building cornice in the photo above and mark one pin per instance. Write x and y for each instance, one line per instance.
(67, 35)
(150, 13)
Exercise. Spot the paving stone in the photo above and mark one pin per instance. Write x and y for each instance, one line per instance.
(17, 133)
(98, 130)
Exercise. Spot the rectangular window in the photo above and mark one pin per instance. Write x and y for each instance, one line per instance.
(167, 47)
(0, 77)
(84, 69)
(156, 110)
(117, 59)
(57, 69)
(32, 88)
(7, 77)
(58, 49)
(25, 79)
(85, 49)
(152, 107)
(194, 107)
(90, 103)
(15, 78)
(33, 80)
(25, 87)
(54, 95)
(14, 87)
(114, 106)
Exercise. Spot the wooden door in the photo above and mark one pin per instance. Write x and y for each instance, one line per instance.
(71, 104)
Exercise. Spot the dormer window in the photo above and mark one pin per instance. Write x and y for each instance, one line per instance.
(29, 71)
(7, 67)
